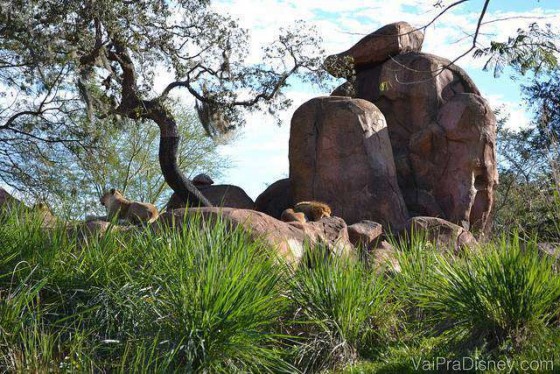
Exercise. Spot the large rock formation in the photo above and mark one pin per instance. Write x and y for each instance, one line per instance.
(340, 153)
(442, 131)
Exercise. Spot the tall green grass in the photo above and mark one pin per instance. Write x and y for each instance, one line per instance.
(503, 291)
(187, 301)
(342, 311)
(213, 300)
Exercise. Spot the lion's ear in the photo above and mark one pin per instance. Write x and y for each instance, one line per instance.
(113, 191)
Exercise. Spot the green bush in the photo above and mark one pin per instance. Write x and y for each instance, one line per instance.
(499, 292)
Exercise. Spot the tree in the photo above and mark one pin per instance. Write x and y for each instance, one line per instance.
(61, 59)
(124, 157)
(528, 196)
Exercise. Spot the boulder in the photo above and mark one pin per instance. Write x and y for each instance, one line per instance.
(202, 180)
(384, 258)
(379, 46)
(467, 182)
(288, 239)
(221, 195)
(442, 233)
(333, 232)
(364, 233)
(340, 154)
(275, 199)
(442, 134)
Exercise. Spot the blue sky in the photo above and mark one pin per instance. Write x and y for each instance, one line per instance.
(260, 153)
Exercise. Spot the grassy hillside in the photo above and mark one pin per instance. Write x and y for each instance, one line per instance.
(195, 301)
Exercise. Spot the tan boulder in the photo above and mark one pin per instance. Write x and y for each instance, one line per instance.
(340, 154)
(379, 46)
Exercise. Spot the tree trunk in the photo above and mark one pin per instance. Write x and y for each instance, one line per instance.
(168, 152)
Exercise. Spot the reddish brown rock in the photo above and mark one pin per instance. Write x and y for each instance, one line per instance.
(287, 238)
(333, 232)
(275, 199)
(221, 195)
(442, 233)
(364, 233)
(340, 154)
(442, 133)
(384, 258)
(469, 176)
(379, 46)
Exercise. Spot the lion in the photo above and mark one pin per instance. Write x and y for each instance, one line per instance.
(289, 215)
(307, 210)
(133, 211)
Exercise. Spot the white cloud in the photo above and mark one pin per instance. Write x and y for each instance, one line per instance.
(518, 116)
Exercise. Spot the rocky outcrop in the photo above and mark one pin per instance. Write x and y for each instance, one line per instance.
(288, 239)
(221, 195)
(275, 199)
(442, 131)
(340, 154)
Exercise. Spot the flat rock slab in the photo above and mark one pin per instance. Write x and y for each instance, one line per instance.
(288, 240)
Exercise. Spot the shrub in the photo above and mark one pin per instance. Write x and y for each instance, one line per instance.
(342, 310)
(500, 292)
